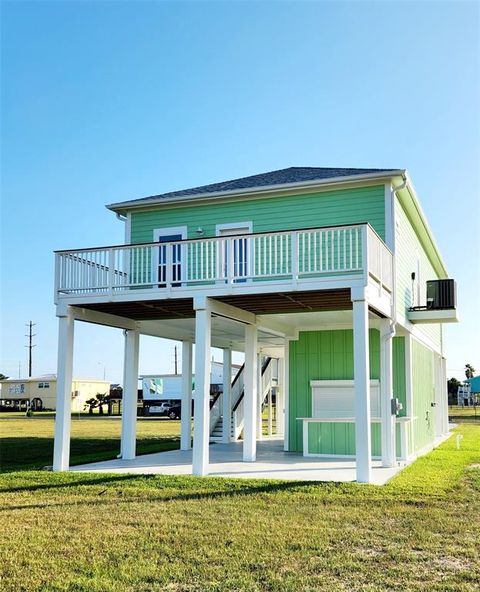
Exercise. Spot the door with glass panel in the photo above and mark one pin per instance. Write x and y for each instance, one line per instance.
(169, 260)
(234, 252)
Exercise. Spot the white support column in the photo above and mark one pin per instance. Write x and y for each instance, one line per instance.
(388, 425)
(280, 399)
(201, 410)
(361, 365)
(286, 395)
(61, 449)
(227, 395)
(250, 397)
(130, 395)
(270, 419)
(186, 409)
(259, 398)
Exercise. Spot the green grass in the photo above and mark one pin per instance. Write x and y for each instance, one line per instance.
(109, 533)
(27, 443)
(456, 413)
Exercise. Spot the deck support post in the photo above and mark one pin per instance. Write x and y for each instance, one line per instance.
(186, 407)
(201, 412)
(280, 399)
(61, 449)
(361, 369)
(259, 398)
(388, 423)
(250, 398)
(130, 395)
(227, 395)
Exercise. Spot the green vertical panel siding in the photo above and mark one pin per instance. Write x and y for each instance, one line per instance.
(406, 245)
(423, 395)
(329, 208)
(321, 355)
(399, 384)
(339, 438)
(398, 439)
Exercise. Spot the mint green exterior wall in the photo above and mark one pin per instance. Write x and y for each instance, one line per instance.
(337, 438)
(328, 208)
(321, 355)
(423, 395)
(328, 355)
(407, 245)
(399, 376)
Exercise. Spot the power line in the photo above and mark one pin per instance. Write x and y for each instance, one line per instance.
(30, 345)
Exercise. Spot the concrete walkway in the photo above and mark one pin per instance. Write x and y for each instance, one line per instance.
(226, 461)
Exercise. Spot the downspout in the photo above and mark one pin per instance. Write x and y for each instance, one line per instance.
(394, 294)
(120, 217)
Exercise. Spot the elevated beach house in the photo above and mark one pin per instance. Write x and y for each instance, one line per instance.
(332, 273)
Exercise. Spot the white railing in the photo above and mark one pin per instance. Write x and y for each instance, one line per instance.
(290, 255)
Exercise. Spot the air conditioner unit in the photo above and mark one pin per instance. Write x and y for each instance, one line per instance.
(441, 294)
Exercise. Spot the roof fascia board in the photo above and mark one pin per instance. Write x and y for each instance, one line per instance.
(411, 204)
(253, 192)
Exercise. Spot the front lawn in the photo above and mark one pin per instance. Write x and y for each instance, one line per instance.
(105, 533)
(27, 443)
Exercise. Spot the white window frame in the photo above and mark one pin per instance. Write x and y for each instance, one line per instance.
(166, 231)
(232, 226)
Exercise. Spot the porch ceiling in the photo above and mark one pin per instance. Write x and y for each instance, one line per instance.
(277, 303)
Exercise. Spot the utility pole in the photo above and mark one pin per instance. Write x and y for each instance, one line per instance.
(176, 361)
(30, 346)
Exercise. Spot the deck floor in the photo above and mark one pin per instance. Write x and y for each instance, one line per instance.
(226, 461)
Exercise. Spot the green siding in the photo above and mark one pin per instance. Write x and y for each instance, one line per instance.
(321, 355)
(399, 383)
(423, 395)
(407, 245)
(346, 206)
(338, 438)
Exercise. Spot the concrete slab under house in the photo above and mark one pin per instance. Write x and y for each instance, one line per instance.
(317, 275)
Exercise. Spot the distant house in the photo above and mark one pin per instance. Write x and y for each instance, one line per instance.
(40, 392)
(474, 384)
(333, 272)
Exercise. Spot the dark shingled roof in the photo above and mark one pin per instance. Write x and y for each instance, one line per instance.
(280, 177)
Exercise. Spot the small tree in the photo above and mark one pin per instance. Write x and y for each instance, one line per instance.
(469, 371)
(102, 399)
(453, 384)
(3, 377)
(91, 404)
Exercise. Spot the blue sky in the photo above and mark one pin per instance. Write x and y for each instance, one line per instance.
(105, 101)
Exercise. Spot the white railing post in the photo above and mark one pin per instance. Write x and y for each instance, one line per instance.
(230, 260)
(57, 278)
(365, 253)
(294, 257)
(111, 270)
(169, 265)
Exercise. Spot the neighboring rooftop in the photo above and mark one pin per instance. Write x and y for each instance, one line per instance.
(287, 176)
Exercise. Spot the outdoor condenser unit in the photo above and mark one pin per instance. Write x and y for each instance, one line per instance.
(441, 294)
